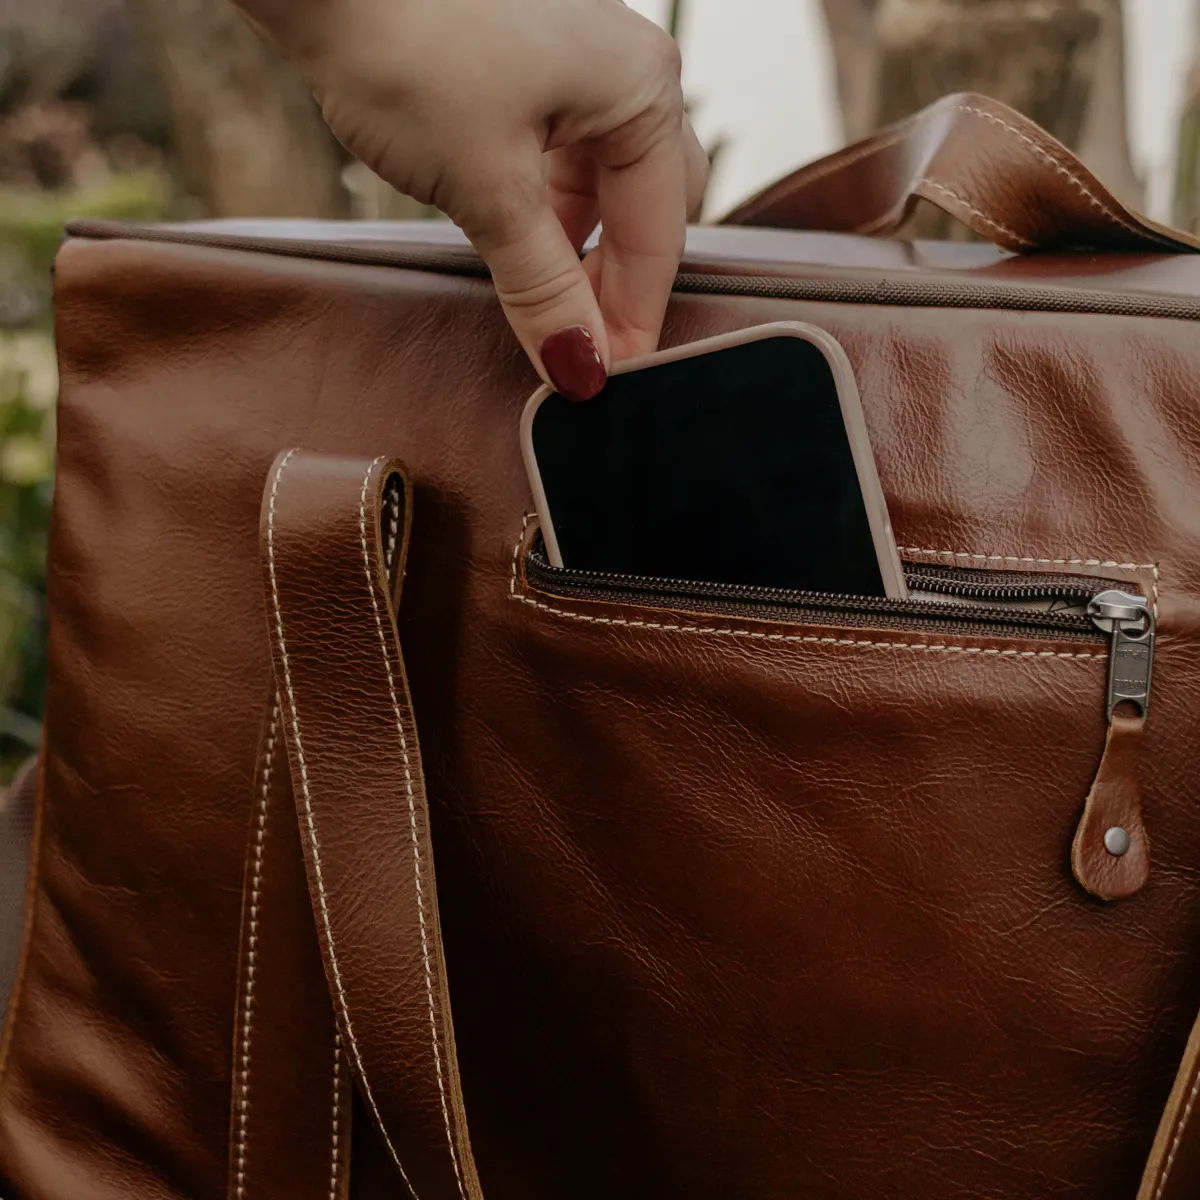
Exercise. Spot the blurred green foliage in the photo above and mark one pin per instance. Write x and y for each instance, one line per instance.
(28, 383)
(31, 226)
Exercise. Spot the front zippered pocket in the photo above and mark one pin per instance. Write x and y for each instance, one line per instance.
(1110, 855)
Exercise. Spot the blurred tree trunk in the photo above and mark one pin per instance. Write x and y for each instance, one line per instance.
(851, 25)
(1187, 166)
(1104, 140)
(1060, 62)
(250, 139)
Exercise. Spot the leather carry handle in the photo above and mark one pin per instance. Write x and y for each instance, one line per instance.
(334, 533)
(978, 160)
(334, 536)
(1173, 1169)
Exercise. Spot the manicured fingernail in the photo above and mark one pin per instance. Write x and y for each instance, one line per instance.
(572, 360)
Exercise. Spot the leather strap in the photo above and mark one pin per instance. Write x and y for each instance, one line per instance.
(1173, 1170)
(978, 160)
(333, 535)
(289, 1121)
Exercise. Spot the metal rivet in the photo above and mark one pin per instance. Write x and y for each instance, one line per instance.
(1117, 841)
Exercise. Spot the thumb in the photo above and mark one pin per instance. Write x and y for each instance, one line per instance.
(546, 294)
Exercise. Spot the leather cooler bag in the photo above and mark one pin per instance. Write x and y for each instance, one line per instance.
(733, 905)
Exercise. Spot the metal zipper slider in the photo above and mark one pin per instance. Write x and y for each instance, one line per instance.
(1111, 854)
(1130, 622)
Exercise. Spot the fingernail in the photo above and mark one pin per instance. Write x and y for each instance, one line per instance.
(572, 360)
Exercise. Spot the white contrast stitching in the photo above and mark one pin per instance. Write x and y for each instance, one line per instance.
(412, 821)
(1180, 1128)
(1011, 234)
(260, 830)
(306, 796)
(762, 636)
(811, 638)
(335, 1170)
(1047, 562)
(1063, 170)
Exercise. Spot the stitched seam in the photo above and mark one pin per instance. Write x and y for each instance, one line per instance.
(1048, 562)
(252, 955)
(1011, 234)
(762, 636)
(412, 822)
(1180, 1128)
(335, 1170)
(1065, 171)
(310, 823)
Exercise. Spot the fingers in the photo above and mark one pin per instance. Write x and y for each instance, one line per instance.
(643, 211)
(573, 181)
(573, 178)
(541, 283)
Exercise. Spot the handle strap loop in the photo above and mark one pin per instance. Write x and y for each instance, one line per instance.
(334, 533)
(978, 160)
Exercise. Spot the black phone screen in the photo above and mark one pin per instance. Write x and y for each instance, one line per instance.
(729, 467)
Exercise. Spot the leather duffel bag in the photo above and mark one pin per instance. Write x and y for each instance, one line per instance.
(736, 905)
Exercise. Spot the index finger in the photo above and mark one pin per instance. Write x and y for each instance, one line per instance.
(643, 215)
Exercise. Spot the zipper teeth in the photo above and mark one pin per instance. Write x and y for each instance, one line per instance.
(1066, 588)
(1056, 588)
(846, 289)
(736, 600)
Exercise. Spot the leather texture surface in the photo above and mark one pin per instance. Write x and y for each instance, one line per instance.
(730, 909)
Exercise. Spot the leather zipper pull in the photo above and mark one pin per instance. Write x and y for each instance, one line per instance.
(1111, 853)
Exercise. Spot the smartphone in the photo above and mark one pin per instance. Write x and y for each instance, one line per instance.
(743, 459)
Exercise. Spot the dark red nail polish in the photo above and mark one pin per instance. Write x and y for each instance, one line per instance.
(572, 360)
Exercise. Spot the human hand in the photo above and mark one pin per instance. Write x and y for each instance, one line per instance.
(526, 122)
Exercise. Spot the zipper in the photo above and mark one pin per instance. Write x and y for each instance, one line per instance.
(1110, 855)
(1130, 624)
(1081, 608)
(821, 284)
(951, 600)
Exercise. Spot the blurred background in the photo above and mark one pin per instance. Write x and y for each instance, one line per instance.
(161, 109)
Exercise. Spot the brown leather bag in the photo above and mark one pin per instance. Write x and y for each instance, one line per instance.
(729, 905)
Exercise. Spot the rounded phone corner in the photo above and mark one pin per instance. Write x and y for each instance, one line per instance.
(534, 475)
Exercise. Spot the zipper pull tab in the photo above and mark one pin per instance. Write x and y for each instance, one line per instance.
(1111, 854)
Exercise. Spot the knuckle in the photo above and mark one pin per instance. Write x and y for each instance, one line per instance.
(664, 56)
(533, 285)
(672, 62)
